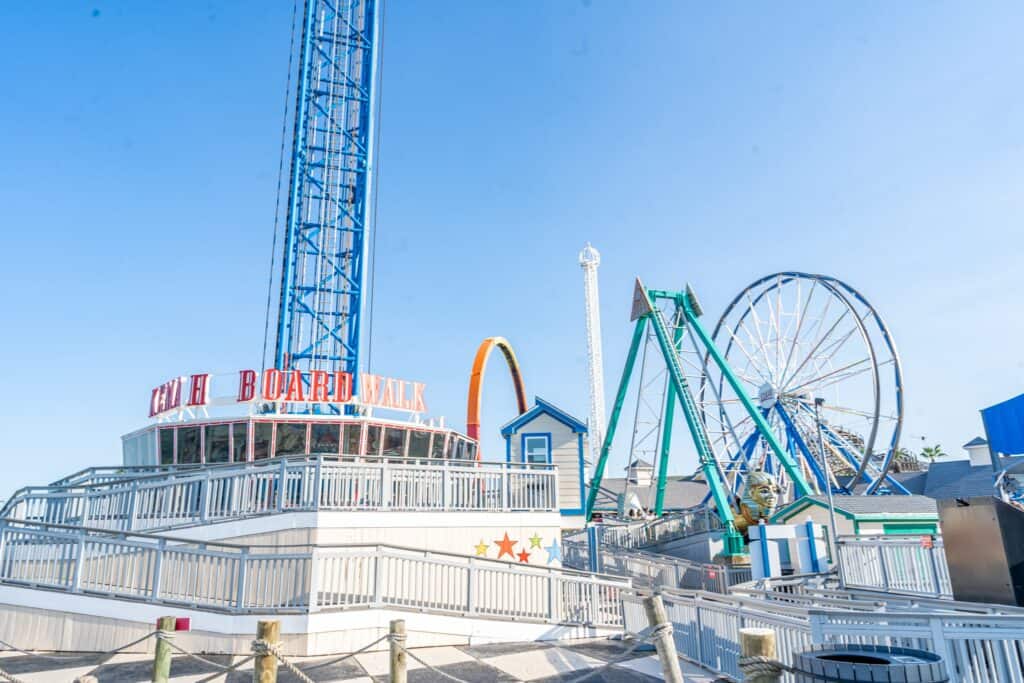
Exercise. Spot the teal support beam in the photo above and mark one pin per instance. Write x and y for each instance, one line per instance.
(666, 430)
(620, 398)
(793, 470)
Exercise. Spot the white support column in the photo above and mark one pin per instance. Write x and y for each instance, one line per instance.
(590, 259)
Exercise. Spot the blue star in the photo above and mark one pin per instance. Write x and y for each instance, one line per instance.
(554, 552)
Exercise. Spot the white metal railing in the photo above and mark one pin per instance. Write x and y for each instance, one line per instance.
(655, 571)
(914, 565)
(977, 647)
(168, 500)
(670, 527)
(242, 579)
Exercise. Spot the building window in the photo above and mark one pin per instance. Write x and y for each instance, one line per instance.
(536, 449)
(188, 445)
(437, 445)
(167, 445)
(261, 440)
(373, 441)
(323, 438)
(419, 444)
(238, 441)
(394, 442)
(291, 439)
(353, 432)
(217, 443)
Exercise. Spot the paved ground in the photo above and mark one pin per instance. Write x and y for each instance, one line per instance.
(489, 663)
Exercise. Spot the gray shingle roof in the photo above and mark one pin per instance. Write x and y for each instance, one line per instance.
(639, 463)
(958, 479)
(867, 505)
(976, 441)
(680, 493)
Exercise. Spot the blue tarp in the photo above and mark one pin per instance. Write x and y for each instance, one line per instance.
(1004, 426)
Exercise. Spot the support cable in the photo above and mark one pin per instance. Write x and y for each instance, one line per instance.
(277, 199)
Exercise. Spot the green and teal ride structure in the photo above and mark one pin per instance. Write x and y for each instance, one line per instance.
(686, 313)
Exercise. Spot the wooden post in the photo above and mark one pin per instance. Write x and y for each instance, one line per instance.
(657, 618)
(759, 642)
(266, 665)
(398, 663)
(162, 655)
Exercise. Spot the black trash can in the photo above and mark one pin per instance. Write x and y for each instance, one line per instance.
(840, 663)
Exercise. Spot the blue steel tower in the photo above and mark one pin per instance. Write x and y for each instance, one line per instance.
(323, 275)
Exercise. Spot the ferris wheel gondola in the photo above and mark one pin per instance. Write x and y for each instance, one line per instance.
(800, 342)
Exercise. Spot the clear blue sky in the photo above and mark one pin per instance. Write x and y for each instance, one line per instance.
(880, 142)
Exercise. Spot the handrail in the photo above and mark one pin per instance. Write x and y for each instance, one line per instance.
(899, 564)
(232, 579)
(252, 549)
(241, 490)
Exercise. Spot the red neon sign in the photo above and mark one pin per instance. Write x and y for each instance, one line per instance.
(289, 386)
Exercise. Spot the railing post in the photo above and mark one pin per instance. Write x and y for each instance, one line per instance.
(133, 501)
(552, 617)
(3, 548)
(314, 581)
(385, 485)
(881, 562)
(265, 665)
(935, 570)
(506, 476)
(158, 567)
(939, 644)
(445, 483)
(85, 511)
(318, 481)
(657, 619)
(76, 577)
(471, 587)
(162, 652)
(204, 497)
(378, 571)
(241, 579)
(282, 484)
(759, 642)
(817, 626)
(397, 663)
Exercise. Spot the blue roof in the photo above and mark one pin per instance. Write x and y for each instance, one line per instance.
(542, 407)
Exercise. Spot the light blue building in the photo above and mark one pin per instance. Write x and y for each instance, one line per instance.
(547, 434)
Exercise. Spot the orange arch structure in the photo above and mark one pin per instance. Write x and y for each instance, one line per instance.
(476, 380)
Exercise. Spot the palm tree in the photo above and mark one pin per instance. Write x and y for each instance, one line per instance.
(932, 452)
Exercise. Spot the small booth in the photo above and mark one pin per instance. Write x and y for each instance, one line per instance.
(547, 434)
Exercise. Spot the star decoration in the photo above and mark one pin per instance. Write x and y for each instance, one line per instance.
(523, 556)
(481, 548)
(505, 547)
(554, 552)
(535, 540)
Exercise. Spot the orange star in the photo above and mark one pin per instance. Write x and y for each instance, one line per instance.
(505, 547)
(524, 556)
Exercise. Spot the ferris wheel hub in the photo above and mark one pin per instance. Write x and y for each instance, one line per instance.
(767, 395)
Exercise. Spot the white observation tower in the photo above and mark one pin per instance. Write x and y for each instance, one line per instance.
(590, 259)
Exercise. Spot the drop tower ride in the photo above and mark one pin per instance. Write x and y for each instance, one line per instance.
(323, 286)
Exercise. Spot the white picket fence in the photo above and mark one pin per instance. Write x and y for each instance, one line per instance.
(240, 579)
(168, 500)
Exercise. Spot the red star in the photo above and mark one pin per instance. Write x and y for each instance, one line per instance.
(505, 546)
(523, 556)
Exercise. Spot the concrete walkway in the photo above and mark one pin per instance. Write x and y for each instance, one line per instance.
(490, 663)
